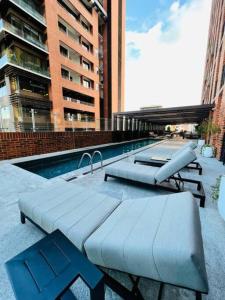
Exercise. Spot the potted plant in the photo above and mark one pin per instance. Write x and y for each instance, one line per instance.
(206, 130)
(216, 189)
(218, 192)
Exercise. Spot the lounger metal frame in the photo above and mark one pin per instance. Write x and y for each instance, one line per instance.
(179, 185)
(159, 163)
(117, 287)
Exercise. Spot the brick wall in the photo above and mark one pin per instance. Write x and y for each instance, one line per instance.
(219, 119)
(13, 145)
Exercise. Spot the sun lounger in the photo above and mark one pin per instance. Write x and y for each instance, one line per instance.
(151, 159)
(158, 238)
(168, 150)
(155, 176)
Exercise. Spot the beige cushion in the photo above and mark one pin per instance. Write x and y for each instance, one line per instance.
(131, 171)
(177, 163)
(158, 238)
(76, 211)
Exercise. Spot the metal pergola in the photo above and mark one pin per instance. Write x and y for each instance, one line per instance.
(158, 118)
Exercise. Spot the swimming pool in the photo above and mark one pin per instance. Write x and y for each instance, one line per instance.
(61, 164)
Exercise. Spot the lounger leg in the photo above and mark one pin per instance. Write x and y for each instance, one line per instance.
(135, 290)
(22, 218)
(200, 171)
(120, 290)
(160, 291)
(106, 177)
(98, 293)
(198, 296)
(202, 202)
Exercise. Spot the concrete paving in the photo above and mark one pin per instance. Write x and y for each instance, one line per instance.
(16, 237)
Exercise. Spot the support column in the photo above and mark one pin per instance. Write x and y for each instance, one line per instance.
(124, 124)
(132, 124)
(136, 125)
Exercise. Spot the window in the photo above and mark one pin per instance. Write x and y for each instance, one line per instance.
(89, 8)
(223, 77)
(32, 86)
(63, 51)
(86, 65)
(62, 27)
(31, 32)
(85, 46)
(65, 74)
(16, 22)
(86, 83)
(71, 10)
(85, 26)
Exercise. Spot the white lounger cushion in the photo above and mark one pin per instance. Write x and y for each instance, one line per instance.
(175, 164)
(74, 210)
(163, 152)
(130, 171)
(157, 238)
(150, 175)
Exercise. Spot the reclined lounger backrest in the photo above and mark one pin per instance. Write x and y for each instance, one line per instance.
(176, 164)
(192, 145)
(189, 145)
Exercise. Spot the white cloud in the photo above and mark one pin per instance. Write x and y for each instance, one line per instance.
(175, 6)
(165, 65)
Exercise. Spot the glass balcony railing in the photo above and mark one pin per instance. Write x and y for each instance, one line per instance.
(13, 60)
(21, 34)
(26, 7)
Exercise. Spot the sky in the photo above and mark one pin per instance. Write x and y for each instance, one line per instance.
(166, 45)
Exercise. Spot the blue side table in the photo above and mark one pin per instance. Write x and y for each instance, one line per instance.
(46, 270)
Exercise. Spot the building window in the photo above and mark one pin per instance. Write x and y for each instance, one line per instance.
(86, 83)
(85, 46)
(223, 76)
(86, 65)
(65, 74)
(63, 51)
(86, 27)
(62, 27)
(70, 10)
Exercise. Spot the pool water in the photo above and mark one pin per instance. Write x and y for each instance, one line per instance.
(62, 164)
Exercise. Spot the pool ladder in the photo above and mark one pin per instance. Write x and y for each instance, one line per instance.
(91, 157)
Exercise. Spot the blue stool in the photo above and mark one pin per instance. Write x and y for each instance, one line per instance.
(47, 269)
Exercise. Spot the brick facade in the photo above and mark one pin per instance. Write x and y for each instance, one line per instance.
(14, 145)
(214, 78)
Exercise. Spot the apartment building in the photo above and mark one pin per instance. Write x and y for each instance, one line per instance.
(61, 64)
(214, 78)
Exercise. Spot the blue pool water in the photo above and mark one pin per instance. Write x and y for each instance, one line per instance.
(62, 164)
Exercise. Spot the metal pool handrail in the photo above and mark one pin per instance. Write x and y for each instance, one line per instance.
(90, 157)
(101, 157)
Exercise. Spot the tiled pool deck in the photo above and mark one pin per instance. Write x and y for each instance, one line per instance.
(15, 237)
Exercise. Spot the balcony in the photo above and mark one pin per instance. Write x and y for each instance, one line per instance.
(26, 98)
(78, 101)
(5, 26)
(28, 9)
(12, 60)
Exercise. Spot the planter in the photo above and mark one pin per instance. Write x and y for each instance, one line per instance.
(221, 199)
(201, 143)
(207, 151)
